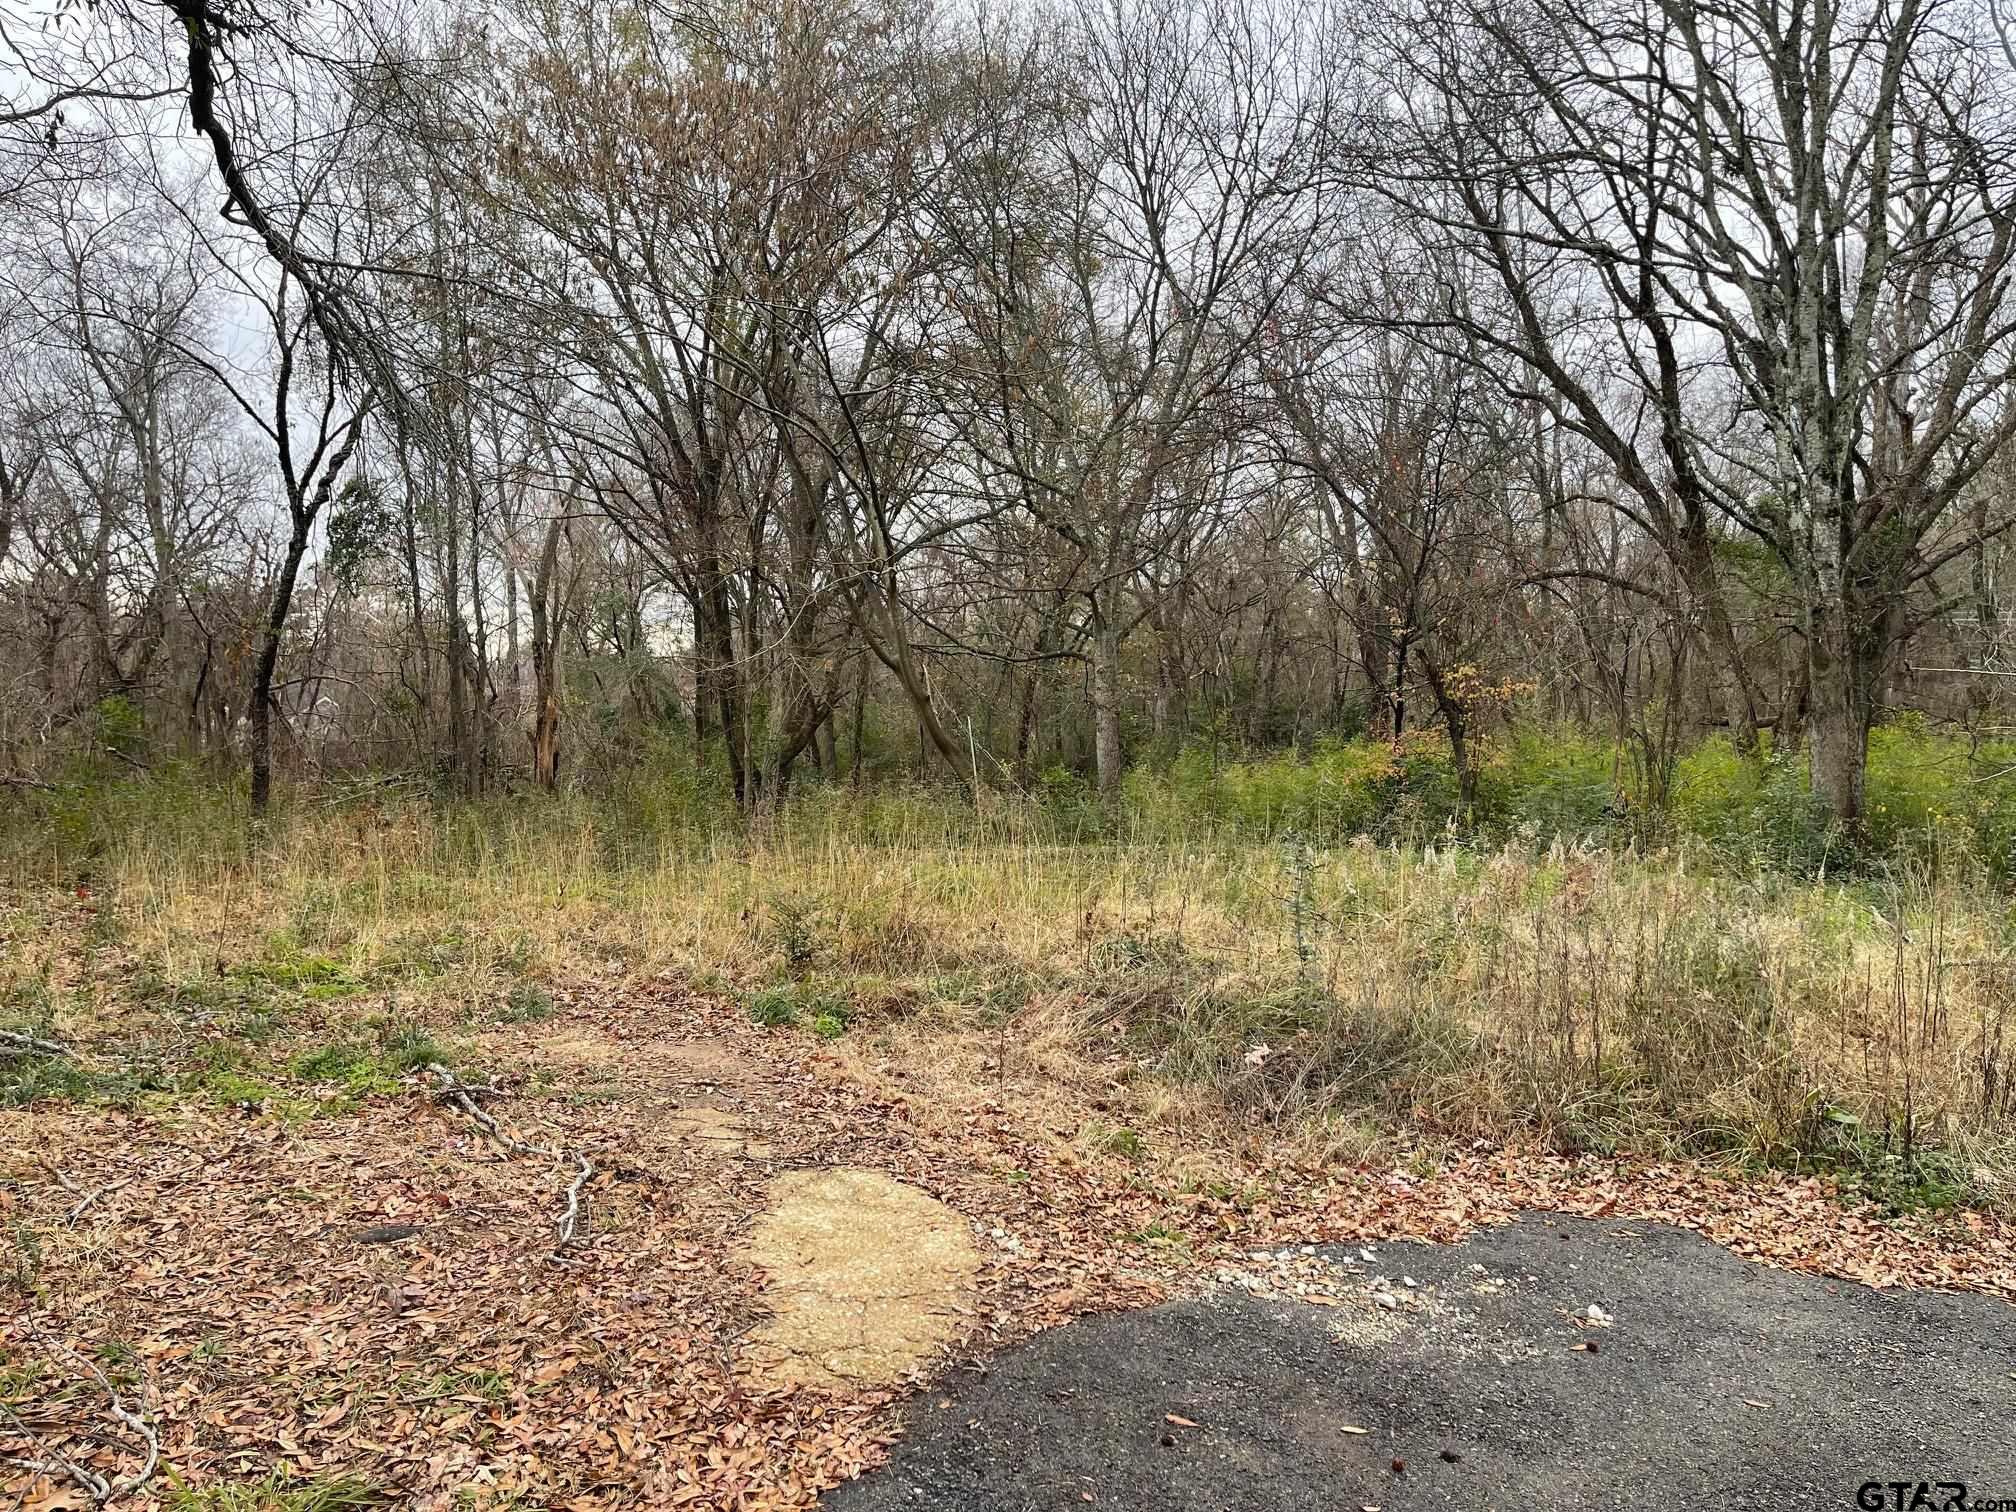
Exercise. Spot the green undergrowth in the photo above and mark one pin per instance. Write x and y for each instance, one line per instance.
(252, 1075)
(1304, 948)
(1930, 790)
(277, 1492)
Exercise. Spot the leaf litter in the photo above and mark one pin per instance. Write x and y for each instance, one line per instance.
(219, 1283)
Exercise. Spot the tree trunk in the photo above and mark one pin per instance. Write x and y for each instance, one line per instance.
(1106, 755)
(546, 629)
(860, 727)
(1842, 675)
(303, 512)
(269, 660)
(1704, 583)
(1456, 720)
(719, 678)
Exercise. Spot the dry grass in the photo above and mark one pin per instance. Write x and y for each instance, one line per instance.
(1331, 998)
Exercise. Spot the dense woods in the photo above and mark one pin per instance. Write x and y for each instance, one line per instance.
(520, 394)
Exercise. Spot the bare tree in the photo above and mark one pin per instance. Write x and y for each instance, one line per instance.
(1797, 226)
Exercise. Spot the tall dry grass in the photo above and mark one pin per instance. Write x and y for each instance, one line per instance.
(1584, 997)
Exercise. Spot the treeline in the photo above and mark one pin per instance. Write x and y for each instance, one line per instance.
(500, 391)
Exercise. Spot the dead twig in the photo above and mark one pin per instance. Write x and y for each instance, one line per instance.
(58, 1177)
(13, 1042)
(84, 1199)
(94, 1485)
(464, 1094)
(91, 1483)
(571, 1216)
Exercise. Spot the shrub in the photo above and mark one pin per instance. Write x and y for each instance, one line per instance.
(772, 1007)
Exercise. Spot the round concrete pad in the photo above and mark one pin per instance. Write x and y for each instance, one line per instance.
(1714, 1383)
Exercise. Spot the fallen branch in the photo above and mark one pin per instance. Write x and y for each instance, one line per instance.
(13, 1042)
(84, 1199)
(464, 1094)
(94, 1485)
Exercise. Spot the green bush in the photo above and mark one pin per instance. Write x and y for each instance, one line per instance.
(1554, 781)
(1340, 789)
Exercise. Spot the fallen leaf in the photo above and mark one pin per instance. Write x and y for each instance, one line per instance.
(1180, 1422)
(1352, 1428)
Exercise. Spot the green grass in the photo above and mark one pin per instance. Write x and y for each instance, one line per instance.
(526, 1003)
(28, 1079)
(277, 1492)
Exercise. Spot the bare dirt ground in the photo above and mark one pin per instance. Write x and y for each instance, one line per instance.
(778, 1246)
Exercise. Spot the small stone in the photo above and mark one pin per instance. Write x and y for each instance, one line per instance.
(1451, 1456)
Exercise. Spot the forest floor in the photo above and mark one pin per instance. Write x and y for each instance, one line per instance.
(346, 1293)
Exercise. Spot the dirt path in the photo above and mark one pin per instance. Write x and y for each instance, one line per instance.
(776, 1252)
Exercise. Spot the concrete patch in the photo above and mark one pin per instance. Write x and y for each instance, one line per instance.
(867, 1278)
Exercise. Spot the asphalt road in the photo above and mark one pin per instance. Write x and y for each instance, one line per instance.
(1714, 1383)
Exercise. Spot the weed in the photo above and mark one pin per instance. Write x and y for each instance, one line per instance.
(336, 1062)
(234, 1089)
(1161, 1236)
(772, 1007)
(404, 1048)
(526, 1003)
(1115, 1141)
(277, 1492)
(23, 1379)
(25, 1261)
(486, 1385)
(29, 1079)
(285, 965)
(355, 1068)
(794, 924)
(1511, 978)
